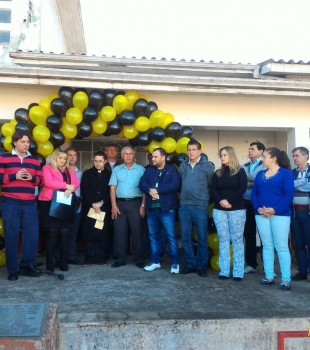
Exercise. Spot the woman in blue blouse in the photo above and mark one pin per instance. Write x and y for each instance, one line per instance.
(272, 197)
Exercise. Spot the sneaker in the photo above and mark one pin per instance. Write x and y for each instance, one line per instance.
(285, 285)
(152, 267)
(266, 282)
(174, 268)
(249, 269)
(299, 277)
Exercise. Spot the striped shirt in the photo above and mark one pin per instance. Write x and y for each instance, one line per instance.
(10, 164)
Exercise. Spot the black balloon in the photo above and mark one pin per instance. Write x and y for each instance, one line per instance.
(145, 138)
(140, 107)
(90, 115)
(127, 118)
(181, 158)
(32, 105)
(41, 159)
(57, 138)
(95, 100)
(108, 97)
(120, 93)
(54, 123)
(158, 134)
(114, 128)
(59, 106)
(173, 130)
(171, 158)
(23, 127)
(78, 137)
(21, 115)
(84, 129)
(187, 131)
(33, 147)
(203, 156)
(66, 93)
(2, 140)
(152, 107)
(134, 142)
(2, 243)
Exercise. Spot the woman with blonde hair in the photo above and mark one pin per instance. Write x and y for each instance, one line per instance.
(56, 176)
(228, 186)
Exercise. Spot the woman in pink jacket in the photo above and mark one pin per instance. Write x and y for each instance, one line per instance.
(56, 176)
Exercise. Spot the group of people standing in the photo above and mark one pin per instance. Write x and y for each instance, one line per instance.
(263, 193)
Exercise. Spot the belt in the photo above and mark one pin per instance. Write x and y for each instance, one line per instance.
(129, 199)
(301, 208)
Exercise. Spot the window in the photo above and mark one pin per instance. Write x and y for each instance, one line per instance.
(5, 16)
(4, 37)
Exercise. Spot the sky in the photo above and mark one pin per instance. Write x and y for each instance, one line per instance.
(237, 31)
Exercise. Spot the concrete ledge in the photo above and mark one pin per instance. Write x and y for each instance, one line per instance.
(234, 334)
(49, 340)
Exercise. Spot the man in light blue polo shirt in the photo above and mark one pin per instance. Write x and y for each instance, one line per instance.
(128, 208)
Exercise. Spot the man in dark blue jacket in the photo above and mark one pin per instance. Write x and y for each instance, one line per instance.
(161, 183)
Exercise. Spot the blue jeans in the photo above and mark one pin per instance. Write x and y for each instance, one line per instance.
(274, 233)
(301, 231)
(158, 220)
(16, 215)
(189, 214)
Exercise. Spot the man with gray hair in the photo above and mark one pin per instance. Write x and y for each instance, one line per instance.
(300, 222)
(128, 208)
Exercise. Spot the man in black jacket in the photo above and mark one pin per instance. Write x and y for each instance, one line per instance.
(160, 184)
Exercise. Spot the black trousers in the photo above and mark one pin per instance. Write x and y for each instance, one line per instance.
(129, 218)
(250, 236)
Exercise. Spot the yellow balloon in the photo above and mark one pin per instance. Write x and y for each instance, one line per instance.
(14, 121)
(169, 144)
(68, 129)
(144, 97)
(132, 97)
(210, 210)
(1, 227)
(2, 258)
(37, 115)
(231, 260)
(8, 129)
(41, 133)
(215, 263)
(53, 96)
(121, 134)
(7, 143)
(213, 241)
(120, 103)
(99, 126)
(130, 132)
(201, 145)
(153, 145)
(45, 148)
(45, 103)
(169, 118)
(74, 116)
(157, 118)
(142, 123)
(107, 113)
(93, 134)
(182, 145)
(146, 148)
(80, 100)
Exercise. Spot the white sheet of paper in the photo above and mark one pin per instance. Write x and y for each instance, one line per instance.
(60, 198)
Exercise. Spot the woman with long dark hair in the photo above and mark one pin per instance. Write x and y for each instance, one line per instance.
(228, 186)
(272, 197)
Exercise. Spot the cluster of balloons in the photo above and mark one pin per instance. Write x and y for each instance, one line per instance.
(75, 114)
(2, 253)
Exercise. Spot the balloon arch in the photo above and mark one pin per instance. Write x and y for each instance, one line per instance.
(75, 114)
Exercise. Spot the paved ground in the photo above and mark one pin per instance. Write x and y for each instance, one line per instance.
(128, 293)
